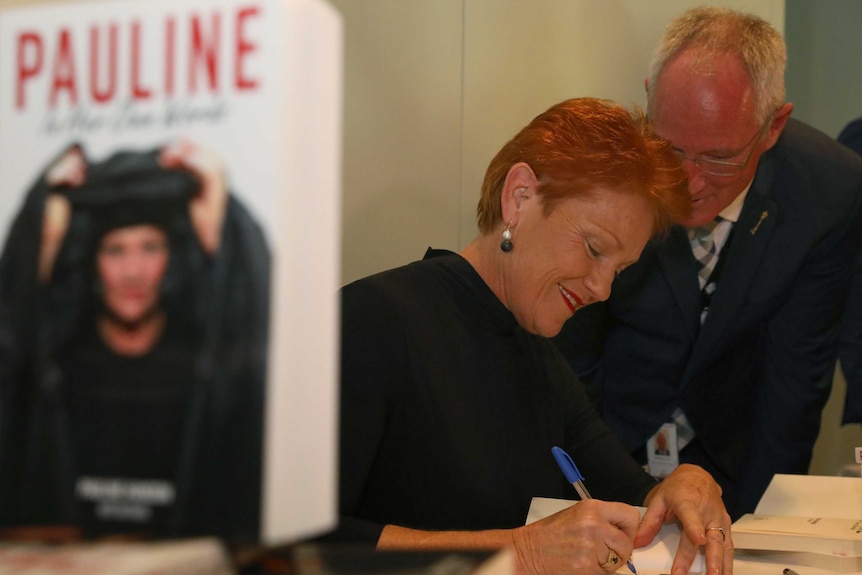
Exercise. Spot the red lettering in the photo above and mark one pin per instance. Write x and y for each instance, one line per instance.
(64, 70)
(106, 94)
(202, 69)
(139, 92)
(170, 43)
(26, 70)
(243, 49)
(204, 52)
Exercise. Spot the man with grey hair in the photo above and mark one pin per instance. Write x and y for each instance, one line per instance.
(722, 334)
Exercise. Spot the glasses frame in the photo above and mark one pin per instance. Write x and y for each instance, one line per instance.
(699, 162)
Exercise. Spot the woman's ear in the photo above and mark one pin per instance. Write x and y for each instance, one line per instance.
(519, 186)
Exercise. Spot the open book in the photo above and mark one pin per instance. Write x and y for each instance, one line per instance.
(654, 559)
(806, 520)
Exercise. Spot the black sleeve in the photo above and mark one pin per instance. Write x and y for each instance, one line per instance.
(21, 357)
(610, 472)
(372, 358)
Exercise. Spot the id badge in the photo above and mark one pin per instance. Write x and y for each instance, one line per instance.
(662, 451)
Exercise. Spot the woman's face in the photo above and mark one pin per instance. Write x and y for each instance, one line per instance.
(568, 259)
(131, 262)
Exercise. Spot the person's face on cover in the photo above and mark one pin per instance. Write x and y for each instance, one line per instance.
(661, 442)
(568, 258)
(131, 262)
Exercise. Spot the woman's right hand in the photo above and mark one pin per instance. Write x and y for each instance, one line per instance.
(578, 539)
(69, 170)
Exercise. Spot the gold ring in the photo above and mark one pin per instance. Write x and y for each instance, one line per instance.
(720, 530)
(613, 561)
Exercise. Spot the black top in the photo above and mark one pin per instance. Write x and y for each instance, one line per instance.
(126, 415)
(450, 409)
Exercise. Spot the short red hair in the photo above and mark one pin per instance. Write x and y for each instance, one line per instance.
(586, 143)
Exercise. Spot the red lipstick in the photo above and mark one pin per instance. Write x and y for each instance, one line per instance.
(572, 300)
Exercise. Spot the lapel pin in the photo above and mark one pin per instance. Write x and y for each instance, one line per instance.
(760, 221)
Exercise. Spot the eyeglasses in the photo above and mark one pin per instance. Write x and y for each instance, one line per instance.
(723, 168)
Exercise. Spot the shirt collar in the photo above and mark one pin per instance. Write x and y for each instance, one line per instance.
(733, 211)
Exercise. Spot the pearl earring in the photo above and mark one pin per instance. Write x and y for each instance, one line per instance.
(506, 244)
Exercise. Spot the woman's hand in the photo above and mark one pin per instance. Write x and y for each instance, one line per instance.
(577, 540)
(691, 497)
(207, 208)
(583, 539)
(70, 170)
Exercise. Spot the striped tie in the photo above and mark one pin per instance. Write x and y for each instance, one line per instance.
(706, 244)
(703, 247)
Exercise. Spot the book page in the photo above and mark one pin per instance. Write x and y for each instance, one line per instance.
(792, 519)
(790, 533)
(812, 496)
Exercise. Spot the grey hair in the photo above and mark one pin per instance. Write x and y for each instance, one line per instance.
(713, 32)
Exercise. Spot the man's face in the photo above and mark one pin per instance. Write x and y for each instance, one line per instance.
(708, 113)
(131, 263)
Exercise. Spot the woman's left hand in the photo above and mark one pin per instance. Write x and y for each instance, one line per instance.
(690, 496)
(206, 209)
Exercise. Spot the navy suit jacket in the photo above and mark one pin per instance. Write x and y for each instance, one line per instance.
(751, 379)
(850, 341)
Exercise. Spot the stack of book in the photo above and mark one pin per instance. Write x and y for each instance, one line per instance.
(806, 520)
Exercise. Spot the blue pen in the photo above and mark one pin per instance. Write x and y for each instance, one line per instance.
(573, 476)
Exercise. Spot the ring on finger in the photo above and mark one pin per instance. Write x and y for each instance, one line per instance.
(613, 561)
(720, 530)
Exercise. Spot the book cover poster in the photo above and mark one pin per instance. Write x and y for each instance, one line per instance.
(169, 212)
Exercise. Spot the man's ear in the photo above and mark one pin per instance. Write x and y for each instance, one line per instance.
(779, 121)
(519, 186)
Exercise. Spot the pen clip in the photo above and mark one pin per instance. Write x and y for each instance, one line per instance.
(570, 470)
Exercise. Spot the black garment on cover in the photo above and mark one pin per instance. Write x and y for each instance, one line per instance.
(223, 300)
(127, 415)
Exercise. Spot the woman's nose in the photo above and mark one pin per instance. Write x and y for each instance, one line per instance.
(599, 282)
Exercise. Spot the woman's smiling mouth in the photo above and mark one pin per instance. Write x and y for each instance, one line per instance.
(572, 300)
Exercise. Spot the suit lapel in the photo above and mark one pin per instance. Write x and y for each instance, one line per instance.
(680, 270)
(750, 238)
